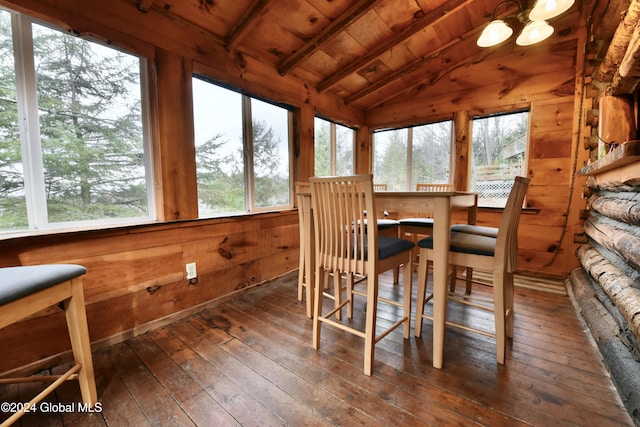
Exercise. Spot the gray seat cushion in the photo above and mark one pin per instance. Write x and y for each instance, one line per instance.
(475, 229)
(384, 224)
(466, 243)
(417, 222)
(18, 282)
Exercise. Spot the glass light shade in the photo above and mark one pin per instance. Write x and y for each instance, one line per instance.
(547, 9)
(534, 32)
(495, 33)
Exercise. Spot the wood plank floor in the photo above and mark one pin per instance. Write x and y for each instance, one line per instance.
(249, 362)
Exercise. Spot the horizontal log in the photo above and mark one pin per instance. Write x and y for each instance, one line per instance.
(615, 238)
(623, 206)
(618, 287)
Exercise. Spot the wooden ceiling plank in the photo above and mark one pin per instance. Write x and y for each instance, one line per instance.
(244, 25)
(144, 5)
(329, 32)
(410, 68)
(429, 18)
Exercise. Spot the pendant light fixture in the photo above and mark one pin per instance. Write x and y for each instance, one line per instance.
(536, 28)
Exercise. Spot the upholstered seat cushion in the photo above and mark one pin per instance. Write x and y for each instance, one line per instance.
(384, 224)
(18, 282)
(417, 222)
(475, 229)
(466, 243)
(388, 246)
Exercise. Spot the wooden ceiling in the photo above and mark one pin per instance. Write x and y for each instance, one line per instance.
(366, 52)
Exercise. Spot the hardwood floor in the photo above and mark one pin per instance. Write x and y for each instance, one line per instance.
(249, 361)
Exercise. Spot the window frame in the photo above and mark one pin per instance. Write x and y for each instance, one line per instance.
(525, 159)
(248, 152)
(30, 136)
(333, 145)
(409, 154)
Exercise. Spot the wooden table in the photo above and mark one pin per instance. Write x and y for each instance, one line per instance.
(441, 204)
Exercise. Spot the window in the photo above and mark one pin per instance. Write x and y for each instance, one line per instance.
(406, 157)
(499, 154)
(72, 130)
(242, 151)
(333, 147)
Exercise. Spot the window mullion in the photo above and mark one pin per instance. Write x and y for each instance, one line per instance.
(27, 96)
(249, 175)
(409, 157)
(333, 149)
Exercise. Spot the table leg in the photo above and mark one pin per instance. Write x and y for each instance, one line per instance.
(441, 236)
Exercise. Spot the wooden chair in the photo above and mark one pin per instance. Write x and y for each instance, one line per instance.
(379, 187)
(423, 226)
(496, 255)
(303, 270)
(29, 289)
(343, 246)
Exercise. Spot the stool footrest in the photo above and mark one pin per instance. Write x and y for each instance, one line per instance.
(44, 393)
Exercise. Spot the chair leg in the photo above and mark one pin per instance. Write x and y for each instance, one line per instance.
(317, 307)
(76, 317)
(337, 293)
(370, 323)
(422, 291)
(408, 285)
(301, 281)
(350, 283)
(469, 279)
(499, 279)
(508, 296)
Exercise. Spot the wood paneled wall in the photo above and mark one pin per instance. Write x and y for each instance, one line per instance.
(136, 274)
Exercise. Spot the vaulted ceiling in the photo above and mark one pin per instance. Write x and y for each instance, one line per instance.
(374, 52)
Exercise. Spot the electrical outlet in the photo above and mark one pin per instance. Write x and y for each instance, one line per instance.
(191, 271)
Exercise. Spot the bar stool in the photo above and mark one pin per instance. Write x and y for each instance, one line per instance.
(27, 290)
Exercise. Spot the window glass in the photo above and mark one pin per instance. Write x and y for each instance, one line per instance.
(430, 154)
(219, 146)
(499, 153)
(390, 159)
(270, 125)
(344, 150)
(333, 148)
(90, 128)
(79, 154)
(13, 207)
(242, 151)
(322, 147)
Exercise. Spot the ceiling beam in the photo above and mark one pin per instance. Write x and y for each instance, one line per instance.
(334, 28)
(429, 18)
(409, 68)
(242, 27)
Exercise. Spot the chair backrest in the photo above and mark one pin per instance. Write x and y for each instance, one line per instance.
(434, 187)
(301, 187)
(507, 241)
(379, 187)
(339, 206)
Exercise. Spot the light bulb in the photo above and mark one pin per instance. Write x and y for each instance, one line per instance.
(495, 33)
(534, 32)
